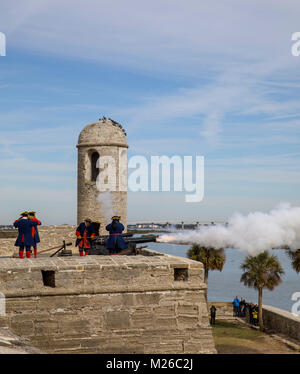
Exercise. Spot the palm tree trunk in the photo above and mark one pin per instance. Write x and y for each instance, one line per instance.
(206, 280)
(260, 315)
(206, 275)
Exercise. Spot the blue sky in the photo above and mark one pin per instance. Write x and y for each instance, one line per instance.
(193, 78)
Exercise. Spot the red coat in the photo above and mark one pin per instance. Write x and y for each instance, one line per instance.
(24, 227)
(84, 235)
(35, 233)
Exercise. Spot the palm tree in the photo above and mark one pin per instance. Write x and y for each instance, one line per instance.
(211, 258)
(261, 271)
(295, 257)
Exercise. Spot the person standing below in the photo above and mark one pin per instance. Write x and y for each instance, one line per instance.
(255, 315)
(85, 233)
(24, 239)
(242, 308)
(115, 242)
(251, 308)
(247, 312)
(213, 310)
(35, 233)
(236, 304)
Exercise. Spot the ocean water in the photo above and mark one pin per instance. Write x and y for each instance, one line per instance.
(225, 285)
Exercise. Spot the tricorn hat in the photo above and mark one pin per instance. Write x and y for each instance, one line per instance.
(24, 214)
(31, 213)
(88, 220)
(116, 218)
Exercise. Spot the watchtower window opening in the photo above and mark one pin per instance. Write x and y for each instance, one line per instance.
(95, 170)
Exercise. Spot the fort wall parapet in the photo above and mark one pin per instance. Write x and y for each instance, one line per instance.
(107, 304)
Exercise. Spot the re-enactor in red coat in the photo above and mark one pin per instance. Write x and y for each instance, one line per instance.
(35, 233)
(85, 233)
(24, 239)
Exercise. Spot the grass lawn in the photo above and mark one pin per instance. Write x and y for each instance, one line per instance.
(235, 337)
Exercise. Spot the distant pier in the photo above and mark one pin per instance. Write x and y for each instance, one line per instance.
(178, 225)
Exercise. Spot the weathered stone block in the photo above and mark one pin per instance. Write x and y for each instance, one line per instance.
(66, 343)
(187, 322)
(25, 328)
(18, 306)
(142, 321)
(76, 325)
(165, 310)
(191, 309)
(165, 323)
(117, 320)
(46, 328)
(4, 321)
(148, 298)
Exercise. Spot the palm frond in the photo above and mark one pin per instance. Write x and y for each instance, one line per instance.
(212, 258)
(295, 257)
(261, 271)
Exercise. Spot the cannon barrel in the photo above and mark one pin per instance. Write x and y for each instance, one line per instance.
(126, 235)
(142, 239)
(127, 238)
(98, 243)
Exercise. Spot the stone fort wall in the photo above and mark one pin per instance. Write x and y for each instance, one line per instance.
(107, 304)
(281, 322)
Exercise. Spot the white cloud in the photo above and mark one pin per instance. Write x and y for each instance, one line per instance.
(234, 47)
(155, 34)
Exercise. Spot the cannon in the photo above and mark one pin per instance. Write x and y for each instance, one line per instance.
(98, 244)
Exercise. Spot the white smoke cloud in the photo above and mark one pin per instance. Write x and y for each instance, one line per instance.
(251, 234)
(105, 200)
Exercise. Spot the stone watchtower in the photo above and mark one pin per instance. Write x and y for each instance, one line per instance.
(102, 166)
